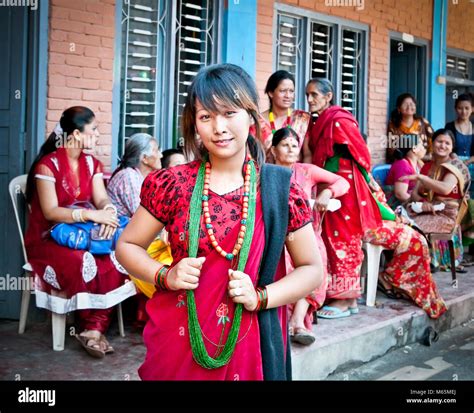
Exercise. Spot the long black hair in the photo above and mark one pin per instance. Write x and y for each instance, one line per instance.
(396, 116)
(76, 117)
(275, 79)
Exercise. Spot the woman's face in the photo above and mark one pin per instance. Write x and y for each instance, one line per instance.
(419, 150)
(408, 107)
(464, 110)
(286, 152)
(89, 137)
(284, 94)
(224, 134)
(442, 146)
(317, 101)
(153, 161)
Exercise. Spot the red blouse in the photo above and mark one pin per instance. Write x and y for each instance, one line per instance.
(166, 194)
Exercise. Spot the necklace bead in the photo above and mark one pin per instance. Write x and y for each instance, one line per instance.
(243, 221)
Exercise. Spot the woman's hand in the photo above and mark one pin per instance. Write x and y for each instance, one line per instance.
(185, 274)
(107, 231)
(241, 290)
(102, 216)
(322, 200)
(401, 220)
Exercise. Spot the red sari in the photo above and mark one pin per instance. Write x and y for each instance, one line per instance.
(343, 229)
(166, 194)
(66, 279)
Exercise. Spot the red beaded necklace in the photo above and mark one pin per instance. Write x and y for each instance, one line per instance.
(245, 208)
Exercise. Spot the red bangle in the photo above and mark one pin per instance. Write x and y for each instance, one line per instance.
(160, 277)
(262, 298)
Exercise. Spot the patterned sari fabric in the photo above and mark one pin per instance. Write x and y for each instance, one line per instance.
(342, 230)
(445, 221)
(299, 122)
(166, 194)
(66, 279)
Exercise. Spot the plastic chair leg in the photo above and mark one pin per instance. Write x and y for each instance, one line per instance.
(120, 320)
(59, 331)
(453, 259)
(25, 302)
(373, 263)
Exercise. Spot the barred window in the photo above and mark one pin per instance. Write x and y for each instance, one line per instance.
(164, 44)
(323, 47)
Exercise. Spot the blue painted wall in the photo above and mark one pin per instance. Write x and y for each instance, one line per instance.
(239, 39)
(437, 91)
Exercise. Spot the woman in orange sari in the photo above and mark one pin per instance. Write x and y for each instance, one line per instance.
(405, 122)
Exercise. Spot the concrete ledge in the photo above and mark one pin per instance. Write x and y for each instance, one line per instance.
(352, 341)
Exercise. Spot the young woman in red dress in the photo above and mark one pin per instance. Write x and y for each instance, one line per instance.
(220, 311)
(66, 185)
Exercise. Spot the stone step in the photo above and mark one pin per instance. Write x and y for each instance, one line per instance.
(349, 342)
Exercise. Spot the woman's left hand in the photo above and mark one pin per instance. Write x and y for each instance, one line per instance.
(107, 231)
(241, 290)
(322, 200)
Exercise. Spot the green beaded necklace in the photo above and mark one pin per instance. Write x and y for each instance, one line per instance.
(198, 348)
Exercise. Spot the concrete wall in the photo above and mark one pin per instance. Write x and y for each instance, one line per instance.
(80, 72)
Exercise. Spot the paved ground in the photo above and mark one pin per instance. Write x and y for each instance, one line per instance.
(30, 357)
(450, 358)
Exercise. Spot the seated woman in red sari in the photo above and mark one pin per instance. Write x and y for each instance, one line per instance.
(335, 144)
(407, 274)
(313, 180)
(438, 195)
(220, 311)
(66, 185)
(280, 90)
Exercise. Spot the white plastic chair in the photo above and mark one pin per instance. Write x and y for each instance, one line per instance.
(373, 264)
(18, 186)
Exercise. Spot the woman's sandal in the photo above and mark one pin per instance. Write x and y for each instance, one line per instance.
(389, 293)
(90, 344)
(303, 336)
(108, 348)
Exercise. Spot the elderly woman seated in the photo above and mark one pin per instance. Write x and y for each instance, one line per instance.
(142, 156)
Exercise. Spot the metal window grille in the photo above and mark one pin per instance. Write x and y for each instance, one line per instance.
(141, 20)
(321, 63)
(459, 67)
(195, 44)
(288, 43)
(350, 69)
